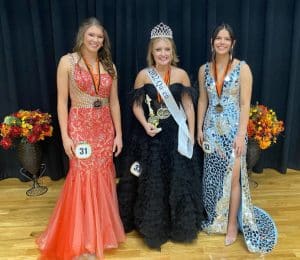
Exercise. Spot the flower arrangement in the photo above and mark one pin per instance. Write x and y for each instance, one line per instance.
(263, 125)
(26, 126)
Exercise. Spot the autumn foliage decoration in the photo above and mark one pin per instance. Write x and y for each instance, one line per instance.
(263, 126)
(25, 126)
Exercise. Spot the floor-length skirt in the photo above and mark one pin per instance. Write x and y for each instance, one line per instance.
(86, 217)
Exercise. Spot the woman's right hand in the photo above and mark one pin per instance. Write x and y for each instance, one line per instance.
(69, 147)
(151, 130)
(200, 138)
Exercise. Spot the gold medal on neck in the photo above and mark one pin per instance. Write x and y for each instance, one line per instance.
(163, 113)
(219, 108)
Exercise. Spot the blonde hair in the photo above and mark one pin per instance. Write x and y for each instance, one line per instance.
(150, 59)
(104, 53)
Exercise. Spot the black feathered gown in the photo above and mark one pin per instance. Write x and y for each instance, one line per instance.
(165, 201)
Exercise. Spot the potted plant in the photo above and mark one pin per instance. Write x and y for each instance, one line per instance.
(25, 129)
(263, 130)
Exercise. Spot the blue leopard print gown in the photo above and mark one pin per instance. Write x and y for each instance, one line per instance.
(220, 129)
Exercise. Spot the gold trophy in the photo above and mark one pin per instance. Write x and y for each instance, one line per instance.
(152, 119)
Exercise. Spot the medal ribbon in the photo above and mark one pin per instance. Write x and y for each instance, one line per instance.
(96, 78)
(219, 84)
(167, 82)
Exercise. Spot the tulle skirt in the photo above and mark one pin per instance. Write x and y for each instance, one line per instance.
(86, 217)
(165, 201)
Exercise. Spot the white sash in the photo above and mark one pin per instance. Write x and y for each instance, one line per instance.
(185, 146)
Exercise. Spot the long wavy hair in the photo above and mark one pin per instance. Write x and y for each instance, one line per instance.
(104, 53)
(214, 35)
(150, 59)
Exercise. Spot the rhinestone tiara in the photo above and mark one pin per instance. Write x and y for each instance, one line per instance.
(161, 30)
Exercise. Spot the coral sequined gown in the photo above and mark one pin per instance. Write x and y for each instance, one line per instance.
(86, 217)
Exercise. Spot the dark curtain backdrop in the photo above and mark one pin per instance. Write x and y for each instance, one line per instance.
(35, 34)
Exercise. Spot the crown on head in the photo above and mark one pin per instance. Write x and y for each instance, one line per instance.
(161, 30)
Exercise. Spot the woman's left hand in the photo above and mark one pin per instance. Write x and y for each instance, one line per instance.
(239, 145)
(117, 146)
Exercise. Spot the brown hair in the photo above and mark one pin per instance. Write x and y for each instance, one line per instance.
(104, 53)
(214, 35)
(150, 59)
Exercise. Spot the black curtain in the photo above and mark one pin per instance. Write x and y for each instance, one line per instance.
(35, 34)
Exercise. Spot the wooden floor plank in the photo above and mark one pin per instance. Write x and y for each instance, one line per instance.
(22, 218)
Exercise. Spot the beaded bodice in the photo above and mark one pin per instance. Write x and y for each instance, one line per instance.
(230, 96)
(81, 87)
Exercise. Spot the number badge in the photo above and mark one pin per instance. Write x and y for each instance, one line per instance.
(206, 147)
(136, 169)
(83, 150)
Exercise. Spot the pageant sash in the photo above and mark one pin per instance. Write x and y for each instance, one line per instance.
(185, 146)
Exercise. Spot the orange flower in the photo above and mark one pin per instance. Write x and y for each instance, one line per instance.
(5, 129)
(25, 125)
(263, 125)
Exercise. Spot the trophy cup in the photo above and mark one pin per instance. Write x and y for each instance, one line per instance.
(152, 119)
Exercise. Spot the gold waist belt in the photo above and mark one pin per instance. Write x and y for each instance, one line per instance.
(96, 102)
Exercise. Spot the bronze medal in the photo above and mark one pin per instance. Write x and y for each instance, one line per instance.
(97, 103)
(219, 108)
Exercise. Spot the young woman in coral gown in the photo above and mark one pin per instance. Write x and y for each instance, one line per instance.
(86, 219)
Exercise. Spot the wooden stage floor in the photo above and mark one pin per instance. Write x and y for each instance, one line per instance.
(22, 218)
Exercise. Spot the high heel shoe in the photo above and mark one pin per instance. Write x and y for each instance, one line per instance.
(230, 240)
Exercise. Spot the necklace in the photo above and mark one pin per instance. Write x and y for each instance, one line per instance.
(219, 84)
(96, 80)
(163, 112)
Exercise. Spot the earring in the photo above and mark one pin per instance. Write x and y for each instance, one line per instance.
(231, 53)
(213, 53)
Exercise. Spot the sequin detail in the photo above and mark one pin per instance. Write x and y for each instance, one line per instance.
(86, 217)
(219, 130)
(82, 91)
